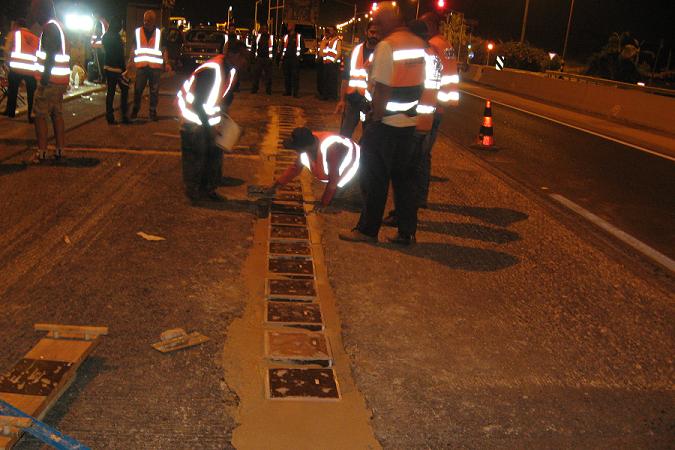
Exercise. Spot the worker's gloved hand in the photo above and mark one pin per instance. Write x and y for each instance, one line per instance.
(340, 107)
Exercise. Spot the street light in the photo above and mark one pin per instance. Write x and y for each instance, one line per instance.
(522, 31)
(490, 46)
(567, 35)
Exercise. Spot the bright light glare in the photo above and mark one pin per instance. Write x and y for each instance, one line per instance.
(552, 55)
(79, 22)
(490, 46)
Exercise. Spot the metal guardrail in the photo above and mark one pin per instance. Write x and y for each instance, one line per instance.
(604, 82)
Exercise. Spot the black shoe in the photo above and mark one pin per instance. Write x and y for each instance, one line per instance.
(214, 197)
(391, 220)
(31, 119)
(58, 155)
(153, 117)
(269, 92)
(110, 120)
(126, 120)
(296, 95)
(134, 115)
(287, 94)
(400, 239)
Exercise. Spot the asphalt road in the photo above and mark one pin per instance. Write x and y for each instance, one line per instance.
(631, 189)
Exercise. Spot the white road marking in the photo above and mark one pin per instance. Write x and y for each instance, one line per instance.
(585, 130)
(130, 151)
(638, 245)
(169, 135)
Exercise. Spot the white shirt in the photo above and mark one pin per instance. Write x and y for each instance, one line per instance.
(382, 71)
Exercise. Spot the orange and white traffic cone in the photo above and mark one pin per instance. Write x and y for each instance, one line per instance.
(486, 136)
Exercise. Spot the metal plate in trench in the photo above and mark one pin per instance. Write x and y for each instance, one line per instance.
(34, 377)
(294, 266)
(293, 248)
(285, 208)
(286, 232)
(302, 384)
(290, 188)
(284, 289)
(294, 314)
(289, 219)
(298, 347)
(292, 197)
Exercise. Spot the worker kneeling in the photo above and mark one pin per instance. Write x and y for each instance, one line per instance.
(202, 100)
(332, 159)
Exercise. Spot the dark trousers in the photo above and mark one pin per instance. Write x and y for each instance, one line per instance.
(424, 162)
(319, 77)
(331, 72)
(351, 116)
(291, 67)
(262, 67)
(14, 82)
(146, 75)
(387, 154)
(113, 80)
(202, 161)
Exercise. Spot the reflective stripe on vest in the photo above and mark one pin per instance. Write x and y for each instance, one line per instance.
(432, 83)
(330, 51)
(148, 54)
(449, 89)
(349, 165)
(298, 48)
(22, 59)
(211, 106)
(96, 41)
(271, 45)
(60, 73)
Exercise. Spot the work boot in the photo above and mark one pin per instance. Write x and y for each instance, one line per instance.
(153, 117)
(58, 154)
(400, 239)
(134, 114)
(125, 120)
(110, 120)
(355, 235)
(214, 197)
(391, 220)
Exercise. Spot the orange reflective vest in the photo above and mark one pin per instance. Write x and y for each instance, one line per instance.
(321, 168)
(222, 83)
(298, 45)
(448, 93)
(22, 59)
(96, 37)
(60, 73)
(429, 99)
(409, 60)
(332, 50)
(358, 71)
(148, 53)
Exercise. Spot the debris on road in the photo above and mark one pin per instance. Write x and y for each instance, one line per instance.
(177, 339)
(150, 237)
(67, 240)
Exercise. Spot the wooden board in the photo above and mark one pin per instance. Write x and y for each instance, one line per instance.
(66, 353)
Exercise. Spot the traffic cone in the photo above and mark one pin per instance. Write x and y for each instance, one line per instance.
(486, 136)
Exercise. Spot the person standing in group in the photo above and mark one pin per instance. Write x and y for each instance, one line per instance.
(318, 65)
(291, 53)
(353, 104)
(20, 47)
(53, 75)
(331, 59)
(149, 56)
(202, 100)
(263, 49)
(114, 66)
(396, 81)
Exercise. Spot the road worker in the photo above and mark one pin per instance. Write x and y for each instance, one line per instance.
(114, 67)
(202, 100)
(396, 80)
(52, 75)
(353, 104)
(332, 159)
(263, 49)
(101, 27)
(291, 53)
(21, 46)
(150, 57)
(331, 60)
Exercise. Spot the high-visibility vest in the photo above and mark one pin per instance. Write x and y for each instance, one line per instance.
(409, 60)
(358, 71)
(227, 38)
(332, 50)
(298, 47)
(60, 73)
(270, 44)
(319, 51)
(429, 99)
(348, 166)
(96, 38)
(22, 59)
(148, 53)
(222, 83)
(448, 93)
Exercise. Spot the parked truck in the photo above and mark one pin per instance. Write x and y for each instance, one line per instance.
(304, 14)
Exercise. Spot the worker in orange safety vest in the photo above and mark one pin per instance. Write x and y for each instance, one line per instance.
(21, 47)
(332, 159)
(331, 58)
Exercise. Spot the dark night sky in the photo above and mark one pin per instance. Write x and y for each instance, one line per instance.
(593, 20)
